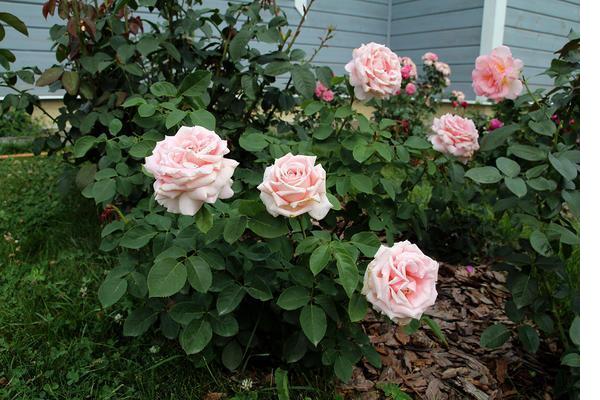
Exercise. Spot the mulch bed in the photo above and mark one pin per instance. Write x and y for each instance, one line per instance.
(468, 302)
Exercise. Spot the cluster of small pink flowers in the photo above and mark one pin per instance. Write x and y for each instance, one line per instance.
(409, 68)
(458, 95)
(410, 89)
(442, 68)
(323, 93)
(429, 58)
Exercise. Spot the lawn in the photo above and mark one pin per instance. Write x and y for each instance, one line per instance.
(55, 340)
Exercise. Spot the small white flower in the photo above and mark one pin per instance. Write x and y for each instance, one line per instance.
(247, 384)
(118, 317)
(154, 349)
(83, 291)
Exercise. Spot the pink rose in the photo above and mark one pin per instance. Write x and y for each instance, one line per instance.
(496, 75)
(409, 68)
(319, 89)
(455, 135)
(442, 68)
(429, 58)
(458, 95)
(293, 186)
(495, 123)
(410, 89)
(400, 282)
(190, 170)
(374, 71)
(327, 96)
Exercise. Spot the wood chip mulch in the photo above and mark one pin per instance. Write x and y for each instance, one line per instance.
(469, 301)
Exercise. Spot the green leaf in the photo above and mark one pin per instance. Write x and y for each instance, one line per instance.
(230, 298)
(166, 277)
(323, 132)
(357, 307)
(234, 228)
(362, 152)
(571, 360)
(196, 335)
(142, 149)
(529, 338)
(508, 167)
(70, 81)
(319, 259)
(203, 118)
(268, 227)
(304, 80)
(104, 190)
(204, 219)
(417, 142)
(494, 336)
(342, 368)
(313, 107)
(347, 270)
(544, 127)
(540, 243)
(437, 331)
(174, 118)
(497, 137)
(564, 166)
(362, 183)
(15, 22)
(574, 331)
(49, 76)
(166, 89)
(83, 145)
(293, 298)
(524, 290)
(253, 141)
(367, 242)
(231, 357)
(199, 274)
(137, 237)
(335, 203)
(139, 321)
(195, 84)
(516, 185)
(111, 290)
(278, 68)
(484, 174)
(282, 385)
(313, 322)
(147, 45)
(528, 153)
(225, 325)
(146, 110)
(238, 45)
(115, 126)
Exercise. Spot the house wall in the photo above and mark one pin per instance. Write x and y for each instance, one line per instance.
(451, 29)
(535, 29)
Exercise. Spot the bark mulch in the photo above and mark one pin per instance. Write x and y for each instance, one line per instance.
(468, 302)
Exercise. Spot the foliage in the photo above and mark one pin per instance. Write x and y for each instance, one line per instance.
(533, 164)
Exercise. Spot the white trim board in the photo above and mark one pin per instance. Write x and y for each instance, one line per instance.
(492, 28)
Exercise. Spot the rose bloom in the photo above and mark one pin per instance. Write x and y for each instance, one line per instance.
(446, 81)
(496, 75)
(374, 71)
(454, 135)
(319, 89)
(294, 185)
(409, 68)
(460, 96)
(410, 89)
(400, 282)
(495, 123)
(190, 170)
(429, 58)
(327, 96)
(442, 68)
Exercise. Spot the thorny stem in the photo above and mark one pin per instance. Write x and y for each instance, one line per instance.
(299, 27)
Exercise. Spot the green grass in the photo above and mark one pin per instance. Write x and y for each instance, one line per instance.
(56, 342)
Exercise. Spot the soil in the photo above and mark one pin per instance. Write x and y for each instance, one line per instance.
(469, 300)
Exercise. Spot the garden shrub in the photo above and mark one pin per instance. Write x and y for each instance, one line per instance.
(529, 165)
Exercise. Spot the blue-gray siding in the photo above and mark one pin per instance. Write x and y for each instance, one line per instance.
(451, 28)
(535, 29)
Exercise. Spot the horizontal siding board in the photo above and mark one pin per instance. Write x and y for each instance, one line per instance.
(438, 22)
(532, 40)
(452, 37)
(448, 55)
(552, 8)
(538, 23)
(430, 7)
